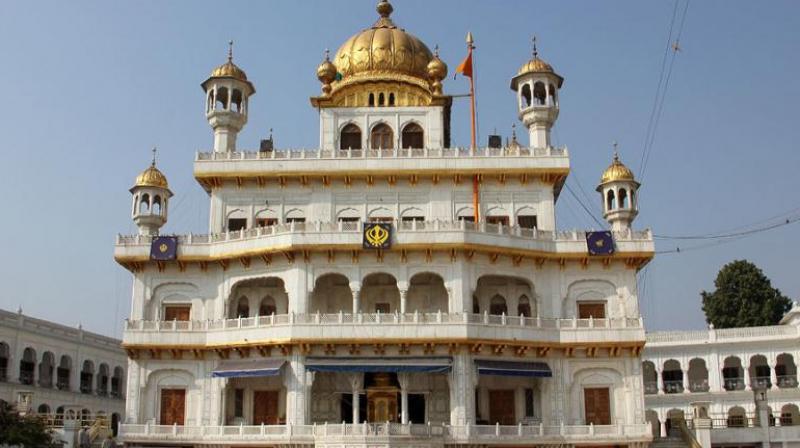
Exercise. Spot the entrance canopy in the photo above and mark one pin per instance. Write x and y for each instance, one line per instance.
(249, 368)
(384, 364)
(513, 368)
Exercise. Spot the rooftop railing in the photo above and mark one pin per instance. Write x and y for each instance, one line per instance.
(406, 153)
(727, 334)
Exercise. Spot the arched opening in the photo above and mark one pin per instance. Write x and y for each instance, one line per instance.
(102, 380)
(144, 204)
(114, 424)
(156, 205)
(222, 99)
(391, 99)
(539, 94)
(633, 200)
(651, 417)
(675, 418)
(243, 307)
(4, 359)
(526, 95)
(551, 95)
(46, 369)
(698, 375)
(497, 305)
(350, 137)
(413, 137)
(87, 375)
(786, 371)
(379, 294)
(382, 137)
(63, 372)
(524, 307)
(86, 417)
(27, 366)
(116, 382)
(267, 307)
(623, 198)
(733, 373)
(737, 418)
(381, 99)
(476, 306)
(426, 294)
(650, 378)
(673, 377)
(610, 200)
(59, 417)
(790, 415)
(371, 101)
(236, 100)
(332, 294)
(759, 372)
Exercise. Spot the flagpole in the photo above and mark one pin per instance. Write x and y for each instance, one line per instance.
(473, 143)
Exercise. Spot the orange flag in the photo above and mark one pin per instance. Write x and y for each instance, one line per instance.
(465, 67)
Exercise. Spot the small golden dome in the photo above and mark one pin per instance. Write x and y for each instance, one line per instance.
(229, 70)
(617, 171)
(326, 72)
(437, 69)
(383, 49)
(151, 177)
(535, 65)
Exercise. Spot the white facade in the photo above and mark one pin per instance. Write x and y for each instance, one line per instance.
(280, 327)
(53, 370)
(724, 368)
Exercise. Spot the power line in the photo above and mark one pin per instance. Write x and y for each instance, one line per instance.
(586, 209)
(729, 235)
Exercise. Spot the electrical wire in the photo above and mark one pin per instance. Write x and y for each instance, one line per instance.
(749, 232)
(583, 206)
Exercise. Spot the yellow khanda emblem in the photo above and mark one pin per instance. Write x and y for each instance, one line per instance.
(376, 235)
(163, 248)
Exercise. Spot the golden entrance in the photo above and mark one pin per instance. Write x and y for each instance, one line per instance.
(382, 399)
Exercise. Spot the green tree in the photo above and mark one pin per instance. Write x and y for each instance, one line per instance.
(744, 297)
(27, 431)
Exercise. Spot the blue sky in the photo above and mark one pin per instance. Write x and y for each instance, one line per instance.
(90, 86)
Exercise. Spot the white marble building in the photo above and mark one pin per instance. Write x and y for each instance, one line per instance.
(723, 368)
(481, 324)
(55, 370)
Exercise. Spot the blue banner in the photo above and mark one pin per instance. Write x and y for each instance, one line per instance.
(600, 243)
(164, 248)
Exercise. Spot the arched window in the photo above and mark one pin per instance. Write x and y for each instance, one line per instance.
(222, 99)
(476, 306)
(391, 99)
(27, 365)
(156, 205)
(611, 203)
(381, 99)
(144, 204)
(497, 305)
(116, 382)
(267, 307)
(86, 417)
(63, 373)
(46, 369)
(623, 198)
(413, 136)
(526, 95)
(524, 307)
(236, 101)
(350, 137)
(551, 95)
(371, 101)
(102, 380)
(87, 374)
(43, 409)
(737, 417)
(539, 94)
(4, 356)
(382, 137)
(790, 415)
(243, 307)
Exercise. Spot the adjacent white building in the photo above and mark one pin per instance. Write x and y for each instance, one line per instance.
(385, 288)
(724, 368)
(59, 371)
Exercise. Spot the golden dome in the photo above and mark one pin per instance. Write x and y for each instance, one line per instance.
(535, 65)
(229, 70)
(326, 72)
(437, 69)
(151, 177)
(617, 171)
(383, 49)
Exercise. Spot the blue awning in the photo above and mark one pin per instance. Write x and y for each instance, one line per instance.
(513, 368)
(439, 364)
(248, 368)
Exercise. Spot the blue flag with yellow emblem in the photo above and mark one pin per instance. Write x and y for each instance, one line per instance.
(600, 243)
(164, 248)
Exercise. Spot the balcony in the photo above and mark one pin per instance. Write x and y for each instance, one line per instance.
(346, 326)
(650, 387)
(673, 387)
(734, 384)
(26, 378)
(347, 235)
(387, 433)
(787, 381)
(760, 382)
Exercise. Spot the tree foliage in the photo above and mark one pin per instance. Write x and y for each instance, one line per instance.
(744, 297)
(26, 431)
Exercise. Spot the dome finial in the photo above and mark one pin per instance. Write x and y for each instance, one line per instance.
(153, 164)
(616, 153)
(327, 55)
(436, 50)
(230, 51)
(384, 8)
(535, 51)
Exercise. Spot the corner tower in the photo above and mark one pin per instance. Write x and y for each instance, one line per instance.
(537, 85)
(619, 195)
(151, 196)
(227, 99)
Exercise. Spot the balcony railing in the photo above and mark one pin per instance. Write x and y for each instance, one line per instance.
(760, 382)
(673, 387)
(382, 153)
(651, 387)
(699, 386)
(496, 434)
(734, 384)
(3, 374)
(26, 378)
(62, 384)
(785, 381)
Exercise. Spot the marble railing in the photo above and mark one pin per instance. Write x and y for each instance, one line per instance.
(382, 153)
(401, 228)
(286, 434)
(666, 338)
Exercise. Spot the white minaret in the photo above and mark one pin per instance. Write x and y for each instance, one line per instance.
(619, 194)
(150, 199)
(537, 87)
(227, 98)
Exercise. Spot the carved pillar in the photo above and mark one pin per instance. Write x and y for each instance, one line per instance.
(685, 377)
(403, 379)
(356, 383)
(356, 300)
(403, 299)
(295, 380)
(463, 379)
(659, 382)
(773, 374)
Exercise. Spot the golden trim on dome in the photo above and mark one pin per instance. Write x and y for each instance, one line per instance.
(152, 176)
(617, 171)
(536, 65)
(229, 69)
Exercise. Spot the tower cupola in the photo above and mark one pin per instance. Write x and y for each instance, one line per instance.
(537, 85)
(151, 196)
(619, 188)
(227, 99)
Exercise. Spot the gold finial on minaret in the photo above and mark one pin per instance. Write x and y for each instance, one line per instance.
(230, 51)
(154, 156)
(616, 153)
(535, 50)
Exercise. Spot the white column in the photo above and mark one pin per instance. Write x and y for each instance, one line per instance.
(519, 404)
(463, 379)
(403, 379)
(685, 381)
(132, 394)
(773, 375)
(295, 380)
(356, 383)
(403, 297)
(659, 382)
(746, 369)
(356, 300)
